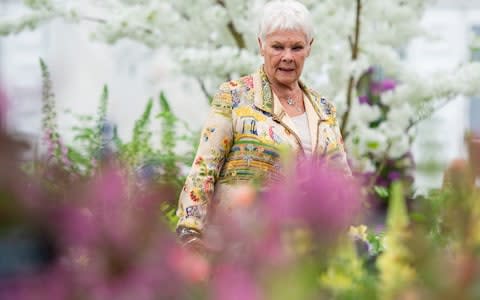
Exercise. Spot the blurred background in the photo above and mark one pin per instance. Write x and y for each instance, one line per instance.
(80, 67)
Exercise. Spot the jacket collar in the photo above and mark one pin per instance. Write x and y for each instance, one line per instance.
(264, 100)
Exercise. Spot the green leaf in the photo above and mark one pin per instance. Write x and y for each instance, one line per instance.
(381, 191)
(373, 145)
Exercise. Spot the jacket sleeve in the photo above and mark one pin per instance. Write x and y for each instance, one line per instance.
(335, 155)
(339, 159)
(215, 143)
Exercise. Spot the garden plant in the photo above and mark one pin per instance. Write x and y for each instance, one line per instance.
(94, 219)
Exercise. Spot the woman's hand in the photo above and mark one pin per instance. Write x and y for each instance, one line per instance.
(191, 239)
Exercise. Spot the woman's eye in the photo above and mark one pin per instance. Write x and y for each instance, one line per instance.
(277, 47)
(297, 48)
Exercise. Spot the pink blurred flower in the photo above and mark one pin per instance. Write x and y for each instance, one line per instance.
(112, 243)
(48, 285)
(192, 266)
(323, 199)
(233, 282)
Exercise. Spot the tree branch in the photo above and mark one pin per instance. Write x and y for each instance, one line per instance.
(104, 21)
(429, 113)
(237, 36)
(204, 89)
(351, 80)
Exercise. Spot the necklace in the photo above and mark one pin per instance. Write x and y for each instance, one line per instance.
(292, 102)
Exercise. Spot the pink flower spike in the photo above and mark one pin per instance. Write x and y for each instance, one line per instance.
(234, 283)
(323, 199)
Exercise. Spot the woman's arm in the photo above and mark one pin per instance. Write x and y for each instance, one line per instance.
(215, 142)
(338, 159)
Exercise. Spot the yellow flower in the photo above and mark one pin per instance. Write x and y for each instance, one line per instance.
(359, 232)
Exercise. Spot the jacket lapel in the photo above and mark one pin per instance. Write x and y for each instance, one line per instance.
(262, 92)
(315, 116)
(266, 101)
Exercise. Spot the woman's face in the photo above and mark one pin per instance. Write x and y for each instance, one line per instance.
(284, 53)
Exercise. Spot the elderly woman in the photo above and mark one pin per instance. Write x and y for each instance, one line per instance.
(255, 118)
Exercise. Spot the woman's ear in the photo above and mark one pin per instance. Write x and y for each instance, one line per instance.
(260, 45)
(310, 47)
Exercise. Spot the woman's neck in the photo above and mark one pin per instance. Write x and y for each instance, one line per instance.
(285, 90)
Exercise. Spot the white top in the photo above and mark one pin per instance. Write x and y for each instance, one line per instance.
(303, 131)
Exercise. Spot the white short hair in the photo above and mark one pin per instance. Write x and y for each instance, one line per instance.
(285, 15)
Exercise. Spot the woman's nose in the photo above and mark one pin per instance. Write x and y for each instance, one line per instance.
(287, 56)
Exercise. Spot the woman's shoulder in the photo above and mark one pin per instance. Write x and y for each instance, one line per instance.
(235, 91)
(242, 83)
(323, 102)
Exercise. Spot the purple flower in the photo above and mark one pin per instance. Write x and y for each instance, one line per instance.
(394, 175)
(384, 85)
(364, 100)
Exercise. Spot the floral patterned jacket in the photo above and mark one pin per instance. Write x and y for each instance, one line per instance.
(242, 141)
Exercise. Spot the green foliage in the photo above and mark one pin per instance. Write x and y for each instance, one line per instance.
(96, 140)
(376, 242)
(347, 277)
(381, 191)
(88, 136)
(168, 139)
(139, 149)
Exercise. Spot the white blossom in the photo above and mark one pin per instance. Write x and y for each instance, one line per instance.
(400, 115)
(398, 146)
(367, 140)
(364, 113)
(215, 40)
